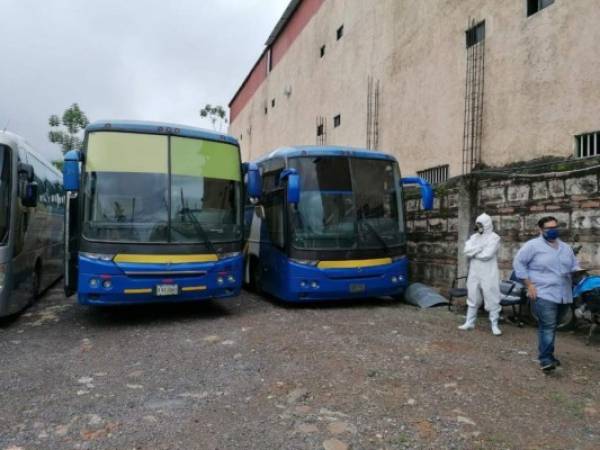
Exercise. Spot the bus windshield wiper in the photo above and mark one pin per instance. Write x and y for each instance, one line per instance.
(375, 233)
(196, 223)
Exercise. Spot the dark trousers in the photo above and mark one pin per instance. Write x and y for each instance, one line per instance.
(548, 315)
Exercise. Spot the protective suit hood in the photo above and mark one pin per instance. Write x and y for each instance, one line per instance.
(486, 221)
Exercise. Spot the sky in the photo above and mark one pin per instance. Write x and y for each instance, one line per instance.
(125, 59)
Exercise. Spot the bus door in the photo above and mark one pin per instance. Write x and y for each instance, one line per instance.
(71, 189)
(272, 249)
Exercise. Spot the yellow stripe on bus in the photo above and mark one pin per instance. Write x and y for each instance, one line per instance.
(193, 288)
(353, 264)
(138, 291)
(164, 259)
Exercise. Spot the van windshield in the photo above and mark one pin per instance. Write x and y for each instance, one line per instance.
(4, 192)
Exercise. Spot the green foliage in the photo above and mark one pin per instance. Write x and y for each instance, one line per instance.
(73, 122)
(58, 164)
(216, 115)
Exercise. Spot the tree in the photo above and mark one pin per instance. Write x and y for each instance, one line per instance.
(216, 114)
(73, 120)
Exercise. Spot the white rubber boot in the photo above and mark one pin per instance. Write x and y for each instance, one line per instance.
(494, 320)
(471, 318)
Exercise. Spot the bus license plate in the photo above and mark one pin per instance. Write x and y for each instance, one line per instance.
(355, 288)
(167, 289)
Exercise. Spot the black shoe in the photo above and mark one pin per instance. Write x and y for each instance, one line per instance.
(556, 362)
(548, 367)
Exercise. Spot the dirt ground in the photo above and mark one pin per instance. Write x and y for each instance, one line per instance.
(249, 373)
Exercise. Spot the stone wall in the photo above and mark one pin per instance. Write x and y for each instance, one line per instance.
(433, 236)
(515, 203)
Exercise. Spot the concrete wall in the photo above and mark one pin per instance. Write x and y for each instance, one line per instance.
(515, 205)
(540, 80)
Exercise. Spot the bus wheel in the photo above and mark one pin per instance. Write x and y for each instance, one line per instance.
(36, 281)
(255, 276)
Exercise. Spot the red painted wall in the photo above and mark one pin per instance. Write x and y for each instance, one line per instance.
(295, 25)
(249, 87)
(302, 15)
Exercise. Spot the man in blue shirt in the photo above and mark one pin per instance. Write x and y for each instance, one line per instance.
(545, 265)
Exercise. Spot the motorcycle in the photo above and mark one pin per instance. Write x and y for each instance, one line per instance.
(586, 300)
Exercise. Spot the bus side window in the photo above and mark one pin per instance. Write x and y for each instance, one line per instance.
(5, 191)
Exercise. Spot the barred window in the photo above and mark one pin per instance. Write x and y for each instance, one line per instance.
(587, 145)
(435, 175)
(475, 34)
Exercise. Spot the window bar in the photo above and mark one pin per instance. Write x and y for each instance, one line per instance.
(588, 146)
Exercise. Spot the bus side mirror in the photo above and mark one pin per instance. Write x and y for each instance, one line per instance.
(71, 171)
(30, 196)
(293, 185)
(26, 170)
(29, 192)
(293, 188)
(426, 191)
(254, 181)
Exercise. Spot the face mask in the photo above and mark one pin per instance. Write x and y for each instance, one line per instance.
(478, 228)
(551, 234)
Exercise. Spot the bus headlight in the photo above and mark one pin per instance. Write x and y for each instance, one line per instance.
(304, 262)
(394, 279)
(231, 278)
(98, 256)
(220, 280)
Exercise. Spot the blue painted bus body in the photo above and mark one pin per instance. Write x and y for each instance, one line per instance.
(202, 287)
(97, 276)
(376, 273)
(294, 282)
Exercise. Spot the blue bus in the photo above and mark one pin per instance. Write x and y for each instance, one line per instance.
(153, 214)
(31, 224)
(329, 225)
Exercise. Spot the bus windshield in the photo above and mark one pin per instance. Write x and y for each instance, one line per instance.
(347, 203)
(158, 189)
(5, 186)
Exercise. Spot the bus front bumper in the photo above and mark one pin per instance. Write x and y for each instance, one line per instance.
(105, 283)
(313, 284)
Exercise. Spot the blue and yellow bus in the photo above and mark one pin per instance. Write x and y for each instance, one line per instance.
(31, 224)
(153, 214)
(329, 225)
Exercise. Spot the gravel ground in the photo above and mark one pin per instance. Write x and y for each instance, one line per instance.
(249, 373)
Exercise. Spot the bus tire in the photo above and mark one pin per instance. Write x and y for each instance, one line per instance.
(255, 276)
(36, 281)
(398, 297)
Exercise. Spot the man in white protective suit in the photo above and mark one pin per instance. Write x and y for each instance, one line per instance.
(483, 281)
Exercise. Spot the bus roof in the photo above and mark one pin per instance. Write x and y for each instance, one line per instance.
(141, 126)
(315, 150)
(20, 144)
